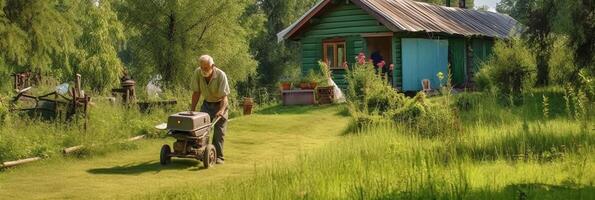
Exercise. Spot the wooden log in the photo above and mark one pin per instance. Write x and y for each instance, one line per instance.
(72, 149)
(19, 162)
(136, 138)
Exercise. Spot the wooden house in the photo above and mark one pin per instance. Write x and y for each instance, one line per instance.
(420, 39)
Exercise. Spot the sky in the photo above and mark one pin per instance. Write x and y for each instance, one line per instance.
(489, 3)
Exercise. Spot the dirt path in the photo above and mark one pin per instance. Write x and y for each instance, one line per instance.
(251, 142)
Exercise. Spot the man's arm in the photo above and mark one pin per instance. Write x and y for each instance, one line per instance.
(222, 106)
(195, 98)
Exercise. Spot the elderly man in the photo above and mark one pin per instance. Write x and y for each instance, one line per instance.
(210, 82)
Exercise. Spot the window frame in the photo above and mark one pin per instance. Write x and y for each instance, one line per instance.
(334, 43)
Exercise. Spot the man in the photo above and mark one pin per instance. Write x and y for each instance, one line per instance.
(210, 82)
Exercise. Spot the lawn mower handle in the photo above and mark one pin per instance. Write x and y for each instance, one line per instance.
(215, 121)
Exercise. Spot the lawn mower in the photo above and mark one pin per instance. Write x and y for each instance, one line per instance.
(191, 130)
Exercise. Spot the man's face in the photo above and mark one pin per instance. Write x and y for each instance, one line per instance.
(206, 69)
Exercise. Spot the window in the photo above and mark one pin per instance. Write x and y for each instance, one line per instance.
(334, 53)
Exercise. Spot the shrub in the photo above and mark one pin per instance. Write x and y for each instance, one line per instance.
(561, 62)
(368, 93)
(511, 69)
(482, 80)
(424, 118)
(3, 110)
(372, 101)
(466, 101)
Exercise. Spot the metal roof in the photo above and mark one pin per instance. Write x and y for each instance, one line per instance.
(413, 16)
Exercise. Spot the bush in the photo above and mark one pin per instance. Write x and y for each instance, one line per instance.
(372, 101)
(424, 118)
(561, 62)
(3, 110)
(368, 93)
(510, 70)
(466, 101)
(482, 81)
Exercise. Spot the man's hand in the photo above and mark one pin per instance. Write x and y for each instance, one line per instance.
(220, 113)
(195, 98)
(222, 107)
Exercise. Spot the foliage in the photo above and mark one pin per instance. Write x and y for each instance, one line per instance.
(367, 93)
(372, 101)
(511, 69)
(277, 59)
(108, 124)
(547, 20)
(38, 35)
(102, 36)
(325, 74)
(311, 77)
(170, 35)
(466, 101)
(561, 63)
(576, 19)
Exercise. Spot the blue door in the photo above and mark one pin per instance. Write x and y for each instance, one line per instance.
(423, 59)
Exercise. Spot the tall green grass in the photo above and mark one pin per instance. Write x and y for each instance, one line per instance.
(383, 162)
(108, 125)
(500, 152)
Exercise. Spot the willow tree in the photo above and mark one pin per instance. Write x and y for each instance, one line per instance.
(169, 35)
(102, 36)
(37, 35)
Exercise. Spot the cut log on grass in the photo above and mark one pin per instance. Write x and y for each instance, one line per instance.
(19, 162)
(136, 138)
(72, 149)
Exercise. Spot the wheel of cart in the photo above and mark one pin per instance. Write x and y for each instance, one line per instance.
(209, 156)
(191, 130)
(165, 156)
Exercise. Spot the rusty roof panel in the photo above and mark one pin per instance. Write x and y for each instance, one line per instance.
(413, 16)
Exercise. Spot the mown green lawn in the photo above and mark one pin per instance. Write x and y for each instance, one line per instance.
(273, 137)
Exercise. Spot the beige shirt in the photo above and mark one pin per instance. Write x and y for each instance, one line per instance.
(215, 90)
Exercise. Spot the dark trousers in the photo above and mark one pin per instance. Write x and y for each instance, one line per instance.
(220, 126)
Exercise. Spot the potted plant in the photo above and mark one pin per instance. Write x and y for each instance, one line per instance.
(325, 91)
(309, 81)
(285, 84)
(247, 104)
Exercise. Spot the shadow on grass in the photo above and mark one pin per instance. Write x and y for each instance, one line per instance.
(280, 109)
(514, 191)
(152, 166)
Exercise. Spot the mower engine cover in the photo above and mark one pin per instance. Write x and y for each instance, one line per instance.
(188, 121)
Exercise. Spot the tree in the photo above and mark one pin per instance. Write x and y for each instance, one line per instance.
(577, 20)
(102, 36)
(37, 35)
(169, 35)
(546, 19)
(276, 59)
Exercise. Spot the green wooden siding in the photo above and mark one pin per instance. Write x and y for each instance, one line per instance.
(456, 49)
(482, 50)
(345, 21)
(398, 61)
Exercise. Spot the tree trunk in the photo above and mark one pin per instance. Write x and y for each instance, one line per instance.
(170, 68)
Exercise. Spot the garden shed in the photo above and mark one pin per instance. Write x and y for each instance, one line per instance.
(420, 39)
